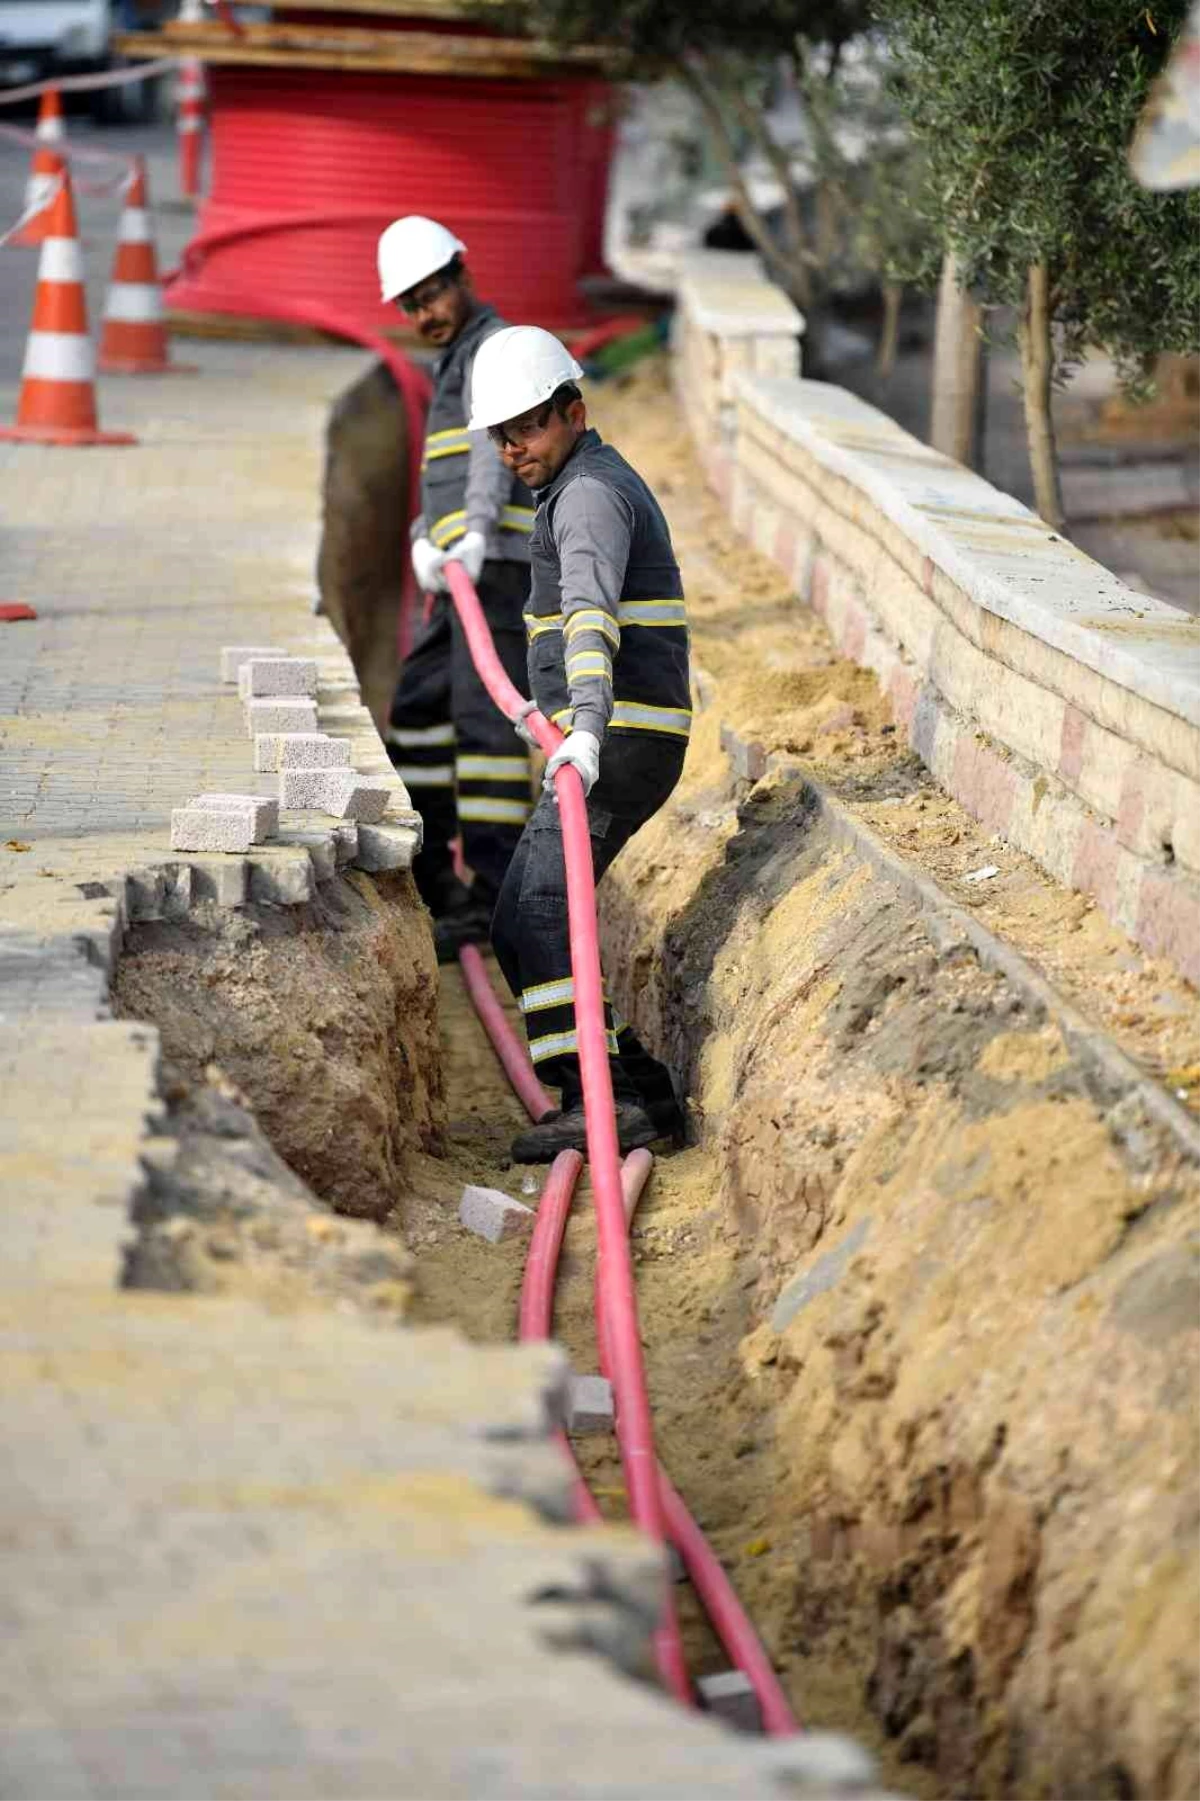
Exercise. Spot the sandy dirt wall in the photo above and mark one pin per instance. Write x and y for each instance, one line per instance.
(939, 1296)
(322, 1017)
(975, 1308)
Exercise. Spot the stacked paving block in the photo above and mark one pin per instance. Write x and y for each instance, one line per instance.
(224, 822)
(316, 774)
(274, 751)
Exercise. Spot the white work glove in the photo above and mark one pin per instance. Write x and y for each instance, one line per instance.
(582, 749)
(470, 552)
(427, 562)
(522, 727)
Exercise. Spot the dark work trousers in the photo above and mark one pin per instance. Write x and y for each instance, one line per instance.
(530, 935)
(458, 756)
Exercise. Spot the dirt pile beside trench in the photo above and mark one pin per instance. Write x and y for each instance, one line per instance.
(322, 1017)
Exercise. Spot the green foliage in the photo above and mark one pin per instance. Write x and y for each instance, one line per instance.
(1025, 110)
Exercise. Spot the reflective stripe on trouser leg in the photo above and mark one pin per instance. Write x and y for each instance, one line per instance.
(549, 1010)
(493, 790)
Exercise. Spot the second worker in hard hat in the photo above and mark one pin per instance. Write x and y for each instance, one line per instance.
(453, 750)
(608, 664)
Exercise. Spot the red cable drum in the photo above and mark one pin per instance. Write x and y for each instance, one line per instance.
(310, 164)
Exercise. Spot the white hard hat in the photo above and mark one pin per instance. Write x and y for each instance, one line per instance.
(515, 369)
(410, 249)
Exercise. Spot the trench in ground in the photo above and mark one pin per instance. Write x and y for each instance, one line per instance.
(848, 1074)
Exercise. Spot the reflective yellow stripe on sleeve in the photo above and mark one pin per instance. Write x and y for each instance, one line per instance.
(592, 619)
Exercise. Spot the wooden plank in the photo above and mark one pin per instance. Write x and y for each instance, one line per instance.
(353, 47)
(450, 10)
(183, 322)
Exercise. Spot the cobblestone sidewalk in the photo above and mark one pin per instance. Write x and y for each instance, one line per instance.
(246, 1554)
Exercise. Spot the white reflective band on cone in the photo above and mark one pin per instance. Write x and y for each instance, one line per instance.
(135, 226)
(61, 260)
(189, 122)
(59, 356)
(133, 303)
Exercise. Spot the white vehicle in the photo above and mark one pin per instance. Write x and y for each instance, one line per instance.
(43, 38)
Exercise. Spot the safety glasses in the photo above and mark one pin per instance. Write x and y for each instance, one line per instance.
(424, 294)
(516, 432)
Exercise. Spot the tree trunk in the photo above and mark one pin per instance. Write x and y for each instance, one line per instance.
(1037, 367)
(957, 368)
(889, 335)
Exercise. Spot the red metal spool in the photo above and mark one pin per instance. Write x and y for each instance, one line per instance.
(309, 165)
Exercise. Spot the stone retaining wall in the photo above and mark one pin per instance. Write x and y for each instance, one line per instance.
(1060, 707)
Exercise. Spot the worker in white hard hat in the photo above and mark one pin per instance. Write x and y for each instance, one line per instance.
(451, 747)
(608, 664)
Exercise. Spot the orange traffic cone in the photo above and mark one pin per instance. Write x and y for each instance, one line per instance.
(133, 340)
(191, 125)
(44, 171)
(58, 390)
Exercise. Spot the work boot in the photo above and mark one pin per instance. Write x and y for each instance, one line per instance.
(568, 1132)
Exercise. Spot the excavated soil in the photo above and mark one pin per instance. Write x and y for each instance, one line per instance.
(920, 1306)
(322, 1018)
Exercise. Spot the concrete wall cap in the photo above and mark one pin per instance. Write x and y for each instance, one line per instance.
(728, 294)
(999, 552)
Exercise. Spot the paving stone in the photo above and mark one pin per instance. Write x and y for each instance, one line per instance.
(352, 796)
(747, 757)
(493, 1215)
(158, 891)
(210, 828)
(286, 714)
(263, 810)
(266, 751)
(225, 881)
(321, 845)
(305, 788)
(383, 847)
(277, 675)
(589, 1404)
(282, 875)
(313, 750)
(234, 655)
(730, 1695)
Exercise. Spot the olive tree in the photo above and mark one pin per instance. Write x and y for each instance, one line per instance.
(1025, 110)
(731, 58)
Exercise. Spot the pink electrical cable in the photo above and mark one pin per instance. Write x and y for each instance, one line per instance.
(719, 1598)
(537, 1299)
(507, 1046)
(717, 1594)
(635, 1430)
